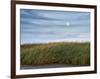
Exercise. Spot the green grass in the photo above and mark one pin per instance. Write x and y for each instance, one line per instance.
(56, 53)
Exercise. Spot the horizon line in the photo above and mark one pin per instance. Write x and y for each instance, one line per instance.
(55, 42)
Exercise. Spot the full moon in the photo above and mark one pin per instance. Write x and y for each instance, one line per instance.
(67, 24)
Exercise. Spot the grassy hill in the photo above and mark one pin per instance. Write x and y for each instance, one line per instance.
(70, 53)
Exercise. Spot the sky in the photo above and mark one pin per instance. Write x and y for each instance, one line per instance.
(43, 26)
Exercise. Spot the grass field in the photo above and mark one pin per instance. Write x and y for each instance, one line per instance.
(56, 53)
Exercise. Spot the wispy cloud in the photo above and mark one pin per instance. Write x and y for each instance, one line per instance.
(48, 25)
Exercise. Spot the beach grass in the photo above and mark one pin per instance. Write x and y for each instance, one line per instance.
(71, 53)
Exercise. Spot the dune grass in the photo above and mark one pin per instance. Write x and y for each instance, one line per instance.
(56, 53)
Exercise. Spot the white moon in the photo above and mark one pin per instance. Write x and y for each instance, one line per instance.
(67, 24)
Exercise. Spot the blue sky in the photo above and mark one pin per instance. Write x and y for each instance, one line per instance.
(43, 26)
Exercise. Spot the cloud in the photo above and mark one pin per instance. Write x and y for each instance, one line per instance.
(45, 26)
(34, 14)
(53, 18)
